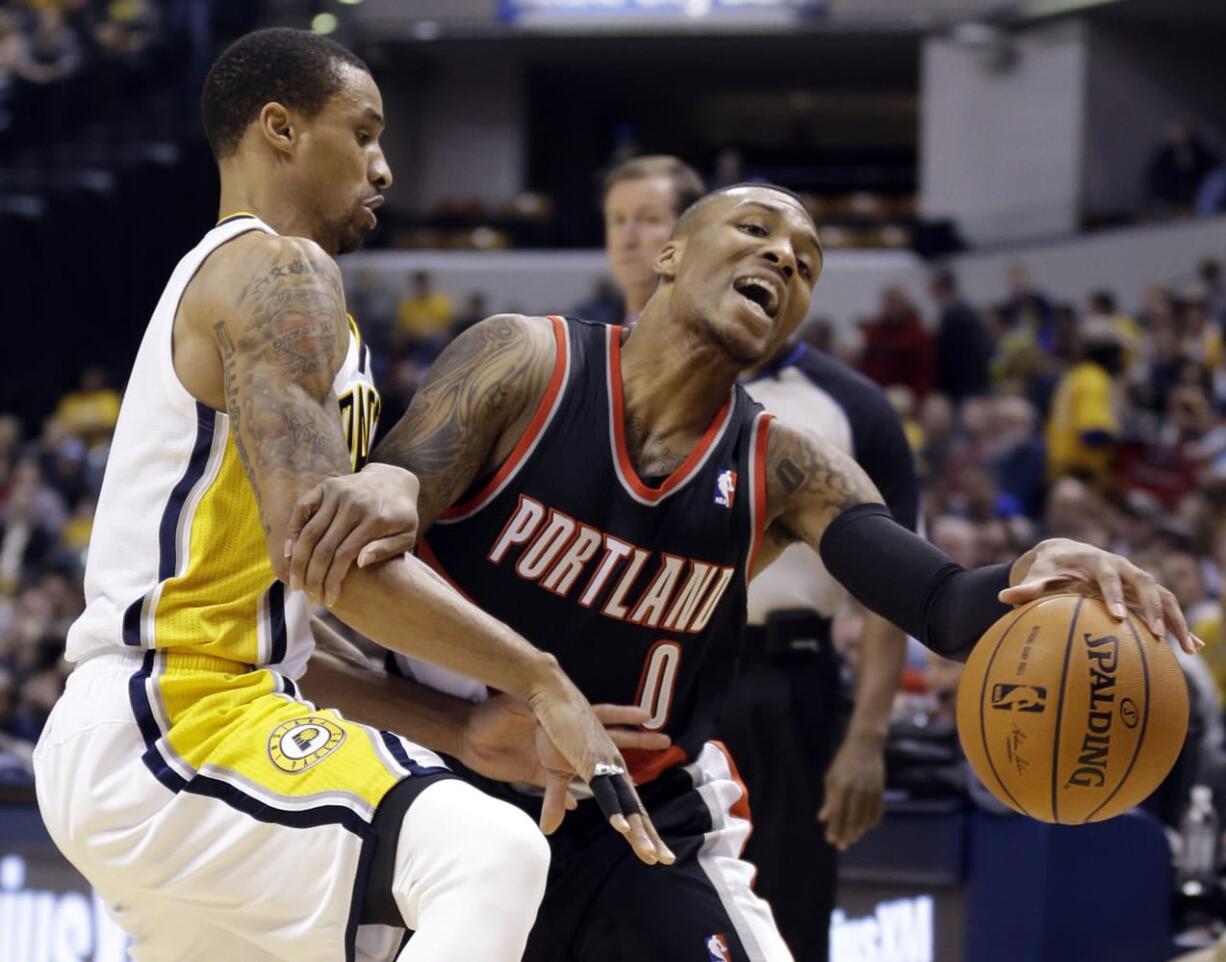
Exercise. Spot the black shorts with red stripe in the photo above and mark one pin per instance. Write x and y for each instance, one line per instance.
(603, 905)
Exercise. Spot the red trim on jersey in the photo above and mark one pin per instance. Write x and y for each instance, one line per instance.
(525, 444)
(617, 412)
(427, 555)
(759, 490)
(645, 764)
(741, 808)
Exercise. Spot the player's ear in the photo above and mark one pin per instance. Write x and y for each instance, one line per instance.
(276, 127)
(669, 257)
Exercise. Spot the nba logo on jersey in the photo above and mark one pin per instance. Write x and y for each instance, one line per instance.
(717, 947)
(725, 488)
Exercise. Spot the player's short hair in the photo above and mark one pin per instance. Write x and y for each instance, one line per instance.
(687, 182)
(686, 221)
(296, 68)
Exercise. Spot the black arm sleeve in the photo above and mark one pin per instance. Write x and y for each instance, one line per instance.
(910, 582)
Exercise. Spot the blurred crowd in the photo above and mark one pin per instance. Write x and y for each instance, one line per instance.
(48, 489)
(60, 59)
(1097, 421)
(1028, 418)
(1184, 175)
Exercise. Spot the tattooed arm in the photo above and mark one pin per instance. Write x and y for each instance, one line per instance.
(281, 341)
(818, 495)
(464, 421)
(809, 482)
(470, 411)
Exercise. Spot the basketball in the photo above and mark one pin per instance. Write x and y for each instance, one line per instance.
(1068, 715)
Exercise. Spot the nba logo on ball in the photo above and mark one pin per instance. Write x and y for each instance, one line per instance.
(725, 488)
(717, 948)
(1019, 698)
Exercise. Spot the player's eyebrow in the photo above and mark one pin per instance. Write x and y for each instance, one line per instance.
(769, 208)
(371, 114)
(775, 209)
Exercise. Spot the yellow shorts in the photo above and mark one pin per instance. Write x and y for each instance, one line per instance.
(211, 805)
(248, 730)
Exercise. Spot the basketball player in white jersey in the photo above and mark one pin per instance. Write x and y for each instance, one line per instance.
(220, 814)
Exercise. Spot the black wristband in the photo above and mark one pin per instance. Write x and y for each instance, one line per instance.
(910, 582)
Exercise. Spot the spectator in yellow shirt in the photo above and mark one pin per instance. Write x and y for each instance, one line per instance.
(1083, 427)
(423, 317)
(90, 412)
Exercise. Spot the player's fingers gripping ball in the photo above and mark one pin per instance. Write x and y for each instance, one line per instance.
(1068, 715)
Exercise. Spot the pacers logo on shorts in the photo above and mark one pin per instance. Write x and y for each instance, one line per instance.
(296, 745)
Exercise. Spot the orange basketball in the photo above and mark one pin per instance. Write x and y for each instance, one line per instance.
(1068, 715)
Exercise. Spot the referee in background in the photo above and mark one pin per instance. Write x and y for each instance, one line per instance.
(812, 753)
(812, 756)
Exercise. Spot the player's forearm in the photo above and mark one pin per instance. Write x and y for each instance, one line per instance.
(892, 571)
(374, 698)
(404, 606)
(883, 652)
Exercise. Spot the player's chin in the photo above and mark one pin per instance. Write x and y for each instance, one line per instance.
(351, 239)
(747, 347)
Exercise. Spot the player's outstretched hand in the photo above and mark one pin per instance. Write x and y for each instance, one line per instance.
(365, 517)
(589, 750)
(854, 791)
(1060, 566)
(504, 741)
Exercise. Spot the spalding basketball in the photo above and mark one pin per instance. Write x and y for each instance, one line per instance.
(1068, 715)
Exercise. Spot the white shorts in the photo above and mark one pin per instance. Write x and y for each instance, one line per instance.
(252, 846)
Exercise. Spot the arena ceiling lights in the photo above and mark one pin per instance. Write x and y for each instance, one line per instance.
(1033, 9)
(590, 14)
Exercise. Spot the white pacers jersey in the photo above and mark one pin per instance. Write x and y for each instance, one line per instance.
(177, 559)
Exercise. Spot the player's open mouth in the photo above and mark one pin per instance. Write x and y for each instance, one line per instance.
(760, 291)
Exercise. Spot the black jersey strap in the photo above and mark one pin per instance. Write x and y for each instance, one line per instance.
(910, 582)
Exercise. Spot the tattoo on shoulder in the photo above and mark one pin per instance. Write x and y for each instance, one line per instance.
(480, 383)
(799, 465)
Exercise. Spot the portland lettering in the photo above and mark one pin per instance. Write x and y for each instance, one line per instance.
(620, 579)
(1103, 654)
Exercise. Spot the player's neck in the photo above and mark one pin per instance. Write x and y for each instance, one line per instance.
(636, 300)
(672, 382)
(265, 201)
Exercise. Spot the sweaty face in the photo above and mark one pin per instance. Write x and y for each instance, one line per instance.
(341, 164)
(746, 271)
(639, 216)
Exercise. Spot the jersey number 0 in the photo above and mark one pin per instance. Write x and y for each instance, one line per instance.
(658, 682)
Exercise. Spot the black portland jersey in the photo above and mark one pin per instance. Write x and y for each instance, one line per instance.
(637, 588)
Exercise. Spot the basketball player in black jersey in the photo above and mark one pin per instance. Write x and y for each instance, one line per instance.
(609, 495)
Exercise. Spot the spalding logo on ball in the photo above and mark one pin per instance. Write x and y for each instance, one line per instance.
(1068, 715)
